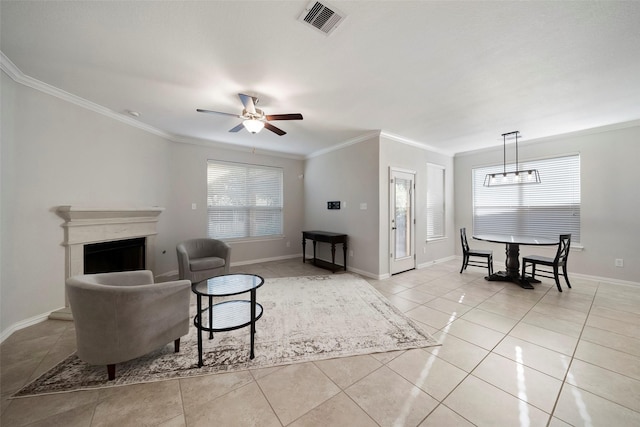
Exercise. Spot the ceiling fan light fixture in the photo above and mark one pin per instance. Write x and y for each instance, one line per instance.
(253, 125)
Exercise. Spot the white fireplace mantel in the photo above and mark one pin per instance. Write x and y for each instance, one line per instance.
(85, 225)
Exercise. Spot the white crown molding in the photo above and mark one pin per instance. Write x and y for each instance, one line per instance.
(19, 77)
(213, 144)
(417, 144)
(9, 67)
(356, 140)
(573, 134)
(379, 134)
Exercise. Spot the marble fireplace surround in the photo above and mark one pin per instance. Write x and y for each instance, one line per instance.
(94, 225)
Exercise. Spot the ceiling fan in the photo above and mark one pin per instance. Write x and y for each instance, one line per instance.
(254, 119)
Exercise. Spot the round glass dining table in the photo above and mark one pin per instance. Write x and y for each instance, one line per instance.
(512, 264)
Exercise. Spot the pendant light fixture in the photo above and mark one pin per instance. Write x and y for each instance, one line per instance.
(516, 177)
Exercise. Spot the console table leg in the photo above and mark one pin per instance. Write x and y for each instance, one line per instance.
(333, 253)
(344, 251)
(304, 245)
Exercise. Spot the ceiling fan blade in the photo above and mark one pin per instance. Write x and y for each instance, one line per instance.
(248, 102)
(216, 112)
(237, 128)
(274, 129)
(294, 116)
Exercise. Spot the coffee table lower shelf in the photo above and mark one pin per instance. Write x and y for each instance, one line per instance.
(226, 316)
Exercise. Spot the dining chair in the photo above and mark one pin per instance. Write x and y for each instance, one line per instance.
(486, 257)
(560, 260)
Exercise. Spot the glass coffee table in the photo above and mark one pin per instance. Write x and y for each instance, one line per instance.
(226, 315)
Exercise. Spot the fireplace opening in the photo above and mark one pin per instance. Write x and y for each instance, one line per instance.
(118, 255)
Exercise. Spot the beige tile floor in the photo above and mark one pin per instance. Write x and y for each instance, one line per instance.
(509, 357)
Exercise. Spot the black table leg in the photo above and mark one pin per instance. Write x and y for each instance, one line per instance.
(344, 251)
(199, 317)
(314, 251)
(253, 320)
(512, 265)
(333, 254)
(304, 245)
(211, 318)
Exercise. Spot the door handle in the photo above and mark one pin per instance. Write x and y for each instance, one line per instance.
(393, 228)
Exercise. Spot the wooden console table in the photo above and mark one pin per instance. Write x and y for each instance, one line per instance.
(327, 237)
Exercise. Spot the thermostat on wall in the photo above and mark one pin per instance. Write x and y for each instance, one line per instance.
(333, 205)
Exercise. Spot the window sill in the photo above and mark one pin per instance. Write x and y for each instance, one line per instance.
(436, 239)
(254, 239)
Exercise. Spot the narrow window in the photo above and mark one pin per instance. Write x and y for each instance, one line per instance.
(435, 201)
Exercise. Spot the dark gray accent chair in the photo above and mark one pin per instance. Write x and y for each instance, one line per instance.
(124, 315)
(200, 259)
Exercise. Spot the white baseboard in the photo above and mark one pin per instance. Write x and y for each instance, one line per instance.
(604, 279)
(256, 261)
(368, 274)
(437, 261)
(25, 324)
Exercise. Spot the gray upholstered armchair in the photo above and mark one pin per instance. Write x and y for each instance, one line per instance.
(200, 259)
(124, 315)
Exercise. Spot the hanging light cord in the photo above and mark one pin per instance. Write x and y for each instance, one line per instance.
(504, 151)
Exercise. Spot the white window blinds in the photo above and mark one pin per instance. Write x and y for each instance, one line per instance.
(243, 200)
(547, 209)
(435, 201)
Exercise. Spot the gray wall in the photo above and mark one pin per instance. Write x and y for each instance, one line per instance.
(56, 153)
(404, 156)
(189, 185)
(610, 198)
(359, 173)
(349, 175)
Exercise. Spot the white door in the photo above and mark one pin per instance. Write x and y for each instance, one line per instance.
(401, 213)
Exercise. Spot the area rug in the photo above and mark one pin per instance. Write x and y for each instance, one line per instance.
(305, 319)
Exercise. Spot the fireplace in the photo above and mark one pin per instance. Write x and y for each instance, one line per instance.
(119, 255)
(90, 229)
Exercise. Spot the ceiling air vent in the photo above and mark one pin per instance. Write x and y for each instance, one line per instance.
(321, 17)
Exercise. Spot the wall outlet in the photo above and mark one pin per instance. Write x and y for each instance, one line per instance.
(351, 253)
(619, 262)
(194, 206)
(288, 244)
(424, 250)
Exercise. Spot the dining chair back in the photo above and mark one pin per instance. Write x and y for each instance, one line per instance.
(560, 260)
(483, 259)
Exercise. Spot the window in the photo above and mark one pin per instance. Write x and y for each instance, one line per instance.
(243, 200)
(547, 209)
(435, 201)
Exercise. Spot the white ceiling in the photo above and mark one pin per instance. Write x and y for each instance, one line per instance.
(449, 75)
